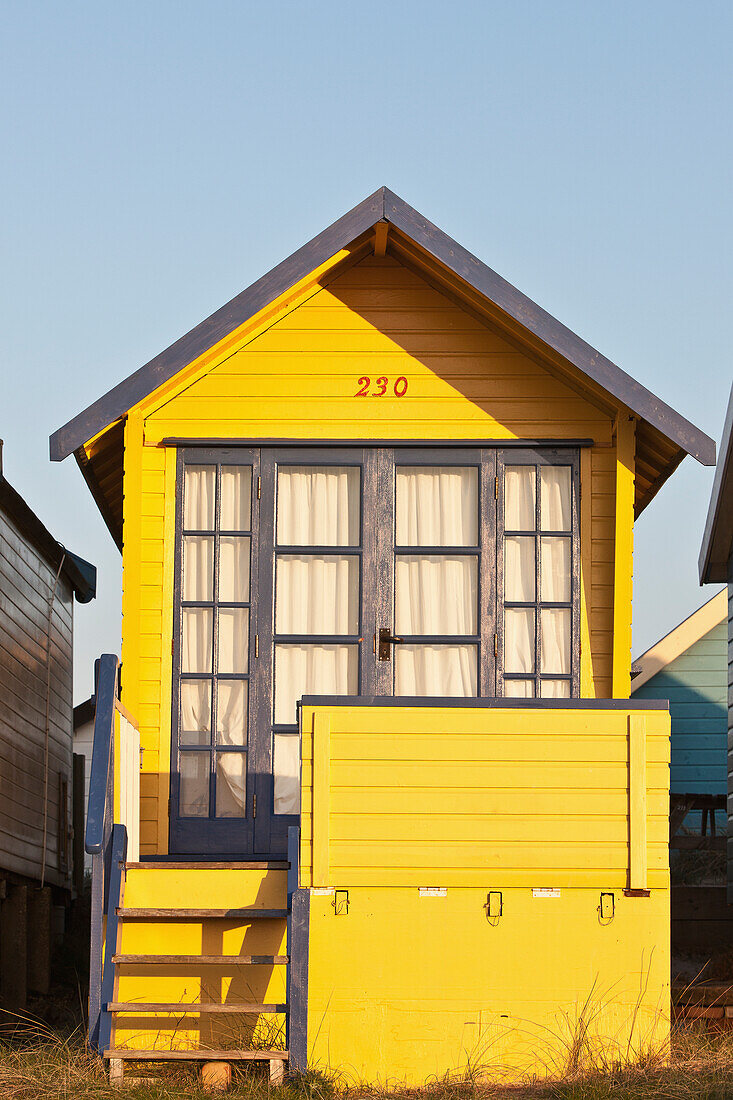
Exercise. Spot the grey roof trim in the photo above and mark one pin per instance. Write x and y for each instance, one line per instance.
(383, 205)
(81, 574)
(716, 541)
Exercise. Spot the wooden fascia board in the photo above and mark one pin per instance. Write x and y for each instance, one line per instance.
(149, 378)
(718, 535)
(84, 464)
(316, 281)
(555, 335)
(679, 640)
(383, 205)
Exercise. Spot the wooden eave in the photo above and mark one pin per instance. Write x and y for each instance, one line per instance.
(385, 223)
(718, 536)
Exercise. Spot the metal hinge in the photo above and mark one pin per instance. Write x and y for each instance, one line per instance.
(257, 645)
(173, 646)
(496, 487)
(254, 805)
(259, 487)
(496, 645)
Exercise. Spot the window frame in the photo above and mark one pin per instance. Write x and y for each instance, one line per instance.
(537, 457)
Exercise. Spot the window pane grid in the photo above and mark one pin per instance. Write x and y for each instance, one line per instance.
(535, 494)
(226, 787)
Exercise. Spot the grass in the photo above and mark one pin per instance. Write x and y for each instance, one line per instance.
(36, 1063)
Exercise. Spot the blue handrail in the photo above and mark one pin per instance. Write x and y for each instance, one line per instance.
(104, 725)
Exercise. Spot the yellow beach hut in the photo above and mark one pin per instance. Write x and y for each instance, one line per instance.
(396, 813)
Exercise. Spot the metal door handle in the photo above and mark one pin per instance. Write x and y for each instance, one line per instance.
(386, 639)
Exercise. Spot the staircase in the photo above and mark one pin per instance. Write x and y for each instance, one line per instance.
(196, 966)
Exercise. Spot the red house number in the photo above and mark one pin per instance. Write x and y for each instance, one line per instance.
(399, 387)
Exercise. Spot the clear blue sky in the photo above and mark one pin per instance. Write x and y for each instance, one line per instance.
(160, 156)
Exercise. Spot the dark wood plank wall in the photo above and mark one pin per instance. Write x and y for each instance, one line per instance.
(26, 584)
(730, 727)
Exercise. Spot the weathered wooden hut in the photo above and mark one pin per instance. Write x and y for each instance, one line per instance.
(716, 567)
(376, 520)
(39, 580)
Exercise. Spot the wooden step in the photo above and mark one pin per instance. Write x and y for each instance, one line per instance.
(257, 865)
(202, 914)
(193, 1009)
(124, 1053)
(201, 960)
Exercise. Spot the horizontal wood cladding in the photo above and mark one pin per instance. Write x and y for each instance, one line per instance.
(442, 796)
(299, 378)
(26, 588)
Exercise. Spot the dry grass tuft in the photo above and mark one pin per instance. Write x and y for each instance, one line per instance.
(38, 1064)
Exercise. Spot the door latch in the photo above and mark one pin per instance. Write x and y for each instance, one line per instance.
(494, 905)
(341, 903)
(386, 640)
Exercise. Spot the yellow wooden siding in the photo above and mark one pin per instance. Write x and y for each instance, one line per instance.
(298, 377)
(398, 796)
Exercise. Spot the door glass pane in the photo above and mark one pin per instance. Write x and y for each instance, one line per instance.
(519, 640)
(198, 568)
(555, 497)
(519, 498)
(233, 639)
(555, 569)
(198, 498)
(193, 769)
(231, 784)
(312, 670)
(318, 505)
(519, 569)
(286, 772)
(555, 640)
(555, 689)
(436, 594)
(436, 506)
(317, 595)
(195, 712)
(441, 670)
(233, 569)
(236, 498)
(519, 689)
(232, 698)
(197, 638)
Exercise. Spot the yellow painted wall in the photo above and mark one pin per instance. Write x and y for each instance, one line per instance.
(474, 800)
(296, 376)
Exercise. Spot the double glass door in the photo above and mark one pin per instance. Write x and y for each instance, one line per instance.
(352, 572)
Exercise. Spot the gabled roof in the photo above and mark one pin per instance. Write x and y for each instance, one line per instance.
(679, 640)
(81, 575)
(716, 541)
(666, 437)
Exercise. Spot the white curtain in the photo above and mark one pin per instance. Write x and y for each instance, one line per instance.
(435, 595)
(519, 498)
(519, 689)
(436, 506)
(555, 689)
(519, 569)
(555, 497)
(286, 768)
(194, 784)
(231, 784)
(555, 569)
(555, 640)
(234, 569)
(519, 638)
(235, 508)
(197, 643)
(198, 498)
(232, 698)
(312, 670)
(233, 647)
(317, 594)
(435, 670)
(318, 506)
(195, 712)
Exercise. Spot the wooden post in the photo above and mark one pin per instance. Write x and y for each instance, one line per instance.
(321, 796)
(39, 939)
(637, 803)
(13, 948)
(77, 816)
(623, 556)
